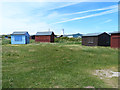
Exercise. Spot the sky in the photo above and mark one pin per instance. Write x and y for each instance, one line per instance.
(73, 17)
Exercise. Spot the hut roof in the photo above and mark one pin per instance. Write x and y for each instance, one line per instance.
(92, 34)
(115, 32)
(19, 33)
(44, 33)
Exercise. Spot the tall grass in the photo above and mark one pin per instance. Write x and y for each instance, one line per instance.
(68, 40)
(6, 41)
(55, 65)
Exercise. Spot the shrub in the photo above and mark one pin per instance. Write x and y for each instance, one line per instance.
(6, 41)
(68, 40)
(32, 41)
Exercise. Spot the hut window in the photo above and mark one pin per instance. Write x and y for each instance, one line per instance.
(90, 40)
(18, 38)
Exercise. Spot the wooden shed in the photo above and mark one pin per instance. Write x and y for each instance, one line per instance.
(115, 39)
(44, 36)
(96, 39)
(20, 38)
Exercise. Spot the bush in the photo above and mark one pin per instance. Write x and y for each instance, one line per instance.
(32, 41)
(6, 41)
(68, 40)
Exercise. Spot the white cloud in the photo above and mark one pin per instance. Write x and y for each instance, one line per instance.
(64, 5)
(59, 0)
(38, 22)
(88, 16)
(10, 25)
(52, 15)
(15, 16)
(109, 20)
(106, 8)
(52, 6)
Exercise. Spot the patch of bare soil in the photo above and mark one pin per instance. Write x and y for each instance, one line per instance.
(89, 87)
(56, 87)
(31, 50)
(14, 45)
(108, 76)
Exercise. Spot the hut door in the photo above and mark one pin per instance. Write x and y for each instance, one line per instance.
(26, 39)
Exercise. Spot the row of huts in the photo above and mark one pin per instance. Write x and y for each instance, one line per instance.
(93, 39)
(102, 39)
(24, 37)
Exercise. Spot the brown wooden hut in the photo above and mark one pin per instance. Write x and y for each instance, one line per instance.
(44, 36)
(96, 39)
(115, 39)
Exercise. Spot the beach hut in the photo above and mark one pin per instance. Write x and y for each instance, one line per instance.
(115, 39)
(44, 36)
(96, 39)
(20, 38)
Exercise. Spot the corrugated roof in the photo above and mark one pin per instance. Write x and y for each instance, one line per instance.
(115, 32)
(44, 33)
(92, 34)
(19, 33)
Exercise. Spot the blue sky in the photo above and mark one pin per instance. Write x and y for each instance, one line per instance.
(74, 17)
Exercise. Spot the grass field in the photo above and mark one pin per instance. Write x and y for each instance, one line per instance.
(57, 65)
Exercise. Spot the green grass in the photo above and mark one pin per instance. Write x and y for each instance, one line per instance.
(6, 41)
(66, 40)
(56, 65)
